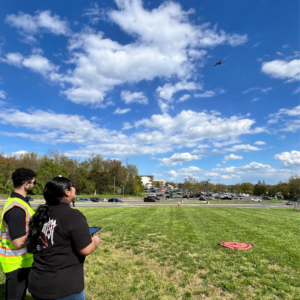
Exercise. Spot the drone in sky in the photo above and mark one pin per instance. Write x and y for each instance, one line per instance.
(72, 132)
(218, 63)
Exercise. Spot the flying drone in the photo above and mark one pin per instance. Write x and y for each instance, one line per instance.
(218, 63)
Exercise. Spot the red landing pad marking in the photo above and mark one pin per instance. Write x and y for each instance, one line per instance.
(236, 245)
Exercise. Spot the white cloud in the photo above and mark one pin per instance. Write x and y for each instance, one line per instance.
(218, 165)
(166, 92)
(224, 161)
(14, 59)
(232, 156)
(225, 143)
(178, 159)
(255, 45)
(164, 107)
(285, 46)
(297, 90)
(259, 59)
(259, 143)
(209, 94)
(282, 69)
(40, 64)
(122, 111)
(282, 137)
(255, 99)
(184, 98)
(41, 21)
(126, 125)
(2, 94)
(172, 173)
(258, 88)
(289, 159)
(35, 62)
(279, 53)
(95, 14)
(245, 148)
(189, 127)
(19, 152)
(129, 97)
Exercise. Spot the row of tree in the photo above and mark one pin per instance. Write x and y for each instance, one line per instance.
(94, 175)
(103, 176)
(289, 189)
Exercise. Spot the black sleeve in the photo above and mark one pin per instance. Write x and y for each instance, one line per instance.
(15, 219)
(79, 231)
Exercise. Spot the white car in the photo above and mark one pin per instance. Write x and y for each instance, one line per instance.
(255, 199)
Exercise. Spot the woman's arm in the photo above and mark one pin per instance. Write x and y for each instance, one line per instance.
(91, 247)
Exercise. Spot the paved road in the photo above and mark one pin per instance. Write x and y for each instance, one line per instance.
(136, 204)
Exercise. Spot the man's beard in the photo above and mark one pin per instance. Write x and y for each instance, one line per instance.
(29, 191)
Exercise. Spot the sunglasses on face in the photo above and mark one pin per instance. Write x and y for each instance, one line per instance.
(31, 182)
(73, 185)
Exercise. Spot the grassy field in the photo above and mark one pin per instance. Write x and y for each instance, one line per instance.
(173, 253)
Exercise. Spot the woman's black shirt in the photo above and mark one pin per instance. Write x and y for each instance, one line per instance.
(57, 269)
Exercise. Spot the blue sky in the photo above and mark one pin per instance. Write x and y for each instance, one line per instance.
(136, 80)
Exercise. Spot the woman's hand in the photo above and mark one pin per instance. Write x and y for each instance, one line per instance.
(96, 240)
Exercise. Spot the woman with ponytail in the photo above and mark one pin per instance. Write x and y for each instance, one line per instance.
(59, 239)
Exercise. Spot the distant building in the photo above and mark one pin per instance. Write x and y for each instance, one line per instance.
(159, 183)
(147, 180)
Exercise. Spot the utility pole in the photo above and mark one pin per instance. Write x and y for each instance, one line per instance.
(114, 187)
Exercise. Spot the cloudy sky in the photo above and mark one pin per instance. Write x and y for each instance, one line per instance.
(136, 80)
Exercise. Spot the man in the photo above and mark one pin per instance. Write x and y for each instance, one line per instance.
(17, 212)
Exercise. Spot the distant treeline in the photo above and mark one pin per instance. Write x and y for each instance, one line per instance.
(289, 189)
(93, 175)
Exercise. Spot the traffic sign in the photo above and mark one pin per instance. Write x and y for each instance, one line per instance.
(138, 188)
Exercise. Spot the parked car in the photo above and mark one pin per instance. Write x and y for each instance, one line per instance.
(266, 198)
(202, 198)
(97, 200)
(115, 200)
(29, 198)
(83, 200)
(239, 198)
(151, 199)
(186, 196)
(217, 197)
(226, 197)
(256, 199)
(289, 203)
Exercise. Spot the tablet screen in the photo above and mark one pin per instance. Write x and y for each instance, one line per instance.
(94, 229)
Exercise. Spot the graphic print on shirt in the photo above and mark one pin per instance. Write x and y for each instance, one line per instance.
(46, 235)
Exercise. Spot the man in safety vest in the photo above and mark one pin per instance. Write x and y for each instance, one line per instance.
(17, 212)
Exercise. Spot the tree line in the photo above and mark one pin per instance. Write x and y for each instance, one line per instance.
(289, 189)
(95, 175)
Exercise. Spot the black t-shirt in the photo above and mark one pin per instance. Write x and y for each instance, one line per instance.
(57, 269)
(15, 218)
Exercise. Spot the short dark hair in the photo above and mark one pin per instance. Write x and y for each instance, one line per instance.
(22, 175)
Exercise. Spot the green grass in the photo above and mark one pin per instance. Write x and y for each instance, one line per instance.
(173, 253)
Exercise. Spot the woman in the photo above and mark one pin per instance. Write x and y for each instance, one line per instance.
(59, 239)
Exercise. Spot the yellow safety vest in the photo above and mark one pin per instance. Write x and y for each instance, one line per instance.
(12, 258)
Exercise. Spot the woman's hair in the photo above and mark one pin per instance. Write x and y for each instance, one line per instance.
(53, 193)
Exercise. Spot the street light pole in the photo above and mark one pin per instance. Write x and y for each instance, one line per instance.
(114, 187)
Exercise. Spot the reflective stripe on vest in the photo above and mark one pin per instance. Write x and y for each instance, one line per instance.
(9, 252)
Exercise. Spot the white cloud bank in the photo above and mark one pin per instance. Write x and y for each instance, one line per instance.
(166, 44)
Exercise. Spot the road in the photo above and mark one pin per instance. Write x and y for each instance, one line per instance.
(36, 203)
